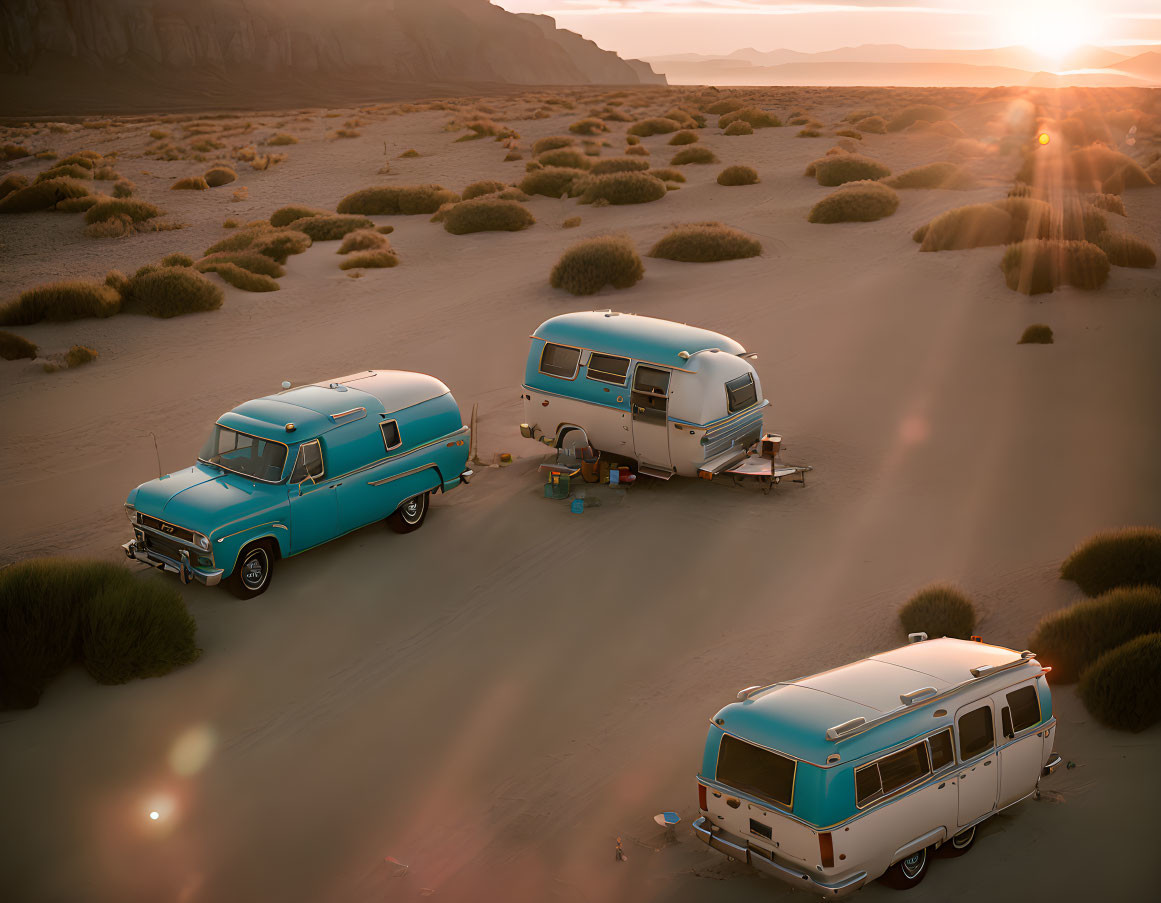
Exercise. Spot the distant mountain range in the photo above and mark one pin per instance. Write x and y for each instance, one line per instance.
(894, 64)
(137, 55)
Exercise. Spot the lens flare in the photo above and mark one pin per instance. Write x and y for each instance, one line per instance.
(154, 815)
(192, 750)
(1043, 138)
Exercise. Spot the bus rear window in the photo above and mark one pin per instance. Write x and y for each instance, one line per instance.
(759, 772)
(741, 393)
(559, 360)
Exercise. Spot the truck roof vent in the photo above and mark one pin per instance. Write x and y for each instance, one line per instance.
(916, 637)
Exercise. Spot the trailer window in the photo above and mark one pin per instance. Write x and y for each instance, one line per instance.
(976, 733)
(391, 437)
(1025, 705)
(741, 392)
(559, 360)
(608, 369)
(751, 769)
(941, 752)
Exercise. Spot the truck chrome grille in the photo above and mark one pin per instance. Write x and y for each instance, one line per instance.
(173, 530)
(163, 546)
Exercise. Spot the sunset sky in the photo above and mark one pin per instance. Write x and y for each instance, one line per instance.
(655, 27)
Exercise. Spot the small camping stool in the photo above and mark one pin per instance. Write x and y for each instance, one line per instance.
(668, 820)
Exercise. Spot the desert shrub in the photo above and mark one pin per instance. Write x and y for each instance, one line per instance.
(618, 164)
(60, 302)
(939, 610)
(220, 175)
(410, 152)
(738, 127)
(911, 115)
(693, 155)
(855, 202)
(590, 265)
(170, 292)
(124, 189)
(107, 208)
(240, 240)
(42, 195)
(1036, 334)
(397, 199)
(1110, 203)
(279, 245)
(65, 171)
(136, 628)
(1129, 556)
(1080, 220)
(683, 137)
(756, 118)
(656, 126)
(705, 243)
(934, 175)
(1122, 687)
(1031, 217)
(876, 125)
(117, 226)
(973, 226)
(1040, 265)
(85, 158)
(370, 259)
(552, 142)
(834, 170)
(686, 119)
(238, 277)
(177, 260)
(1071, 639)
(363, 240)
(721, 107)
(1125, 250)
(158, 134)
(11, 183)
(248, 259)
(632, 139)
(14, 347)
(190, 183)
(571, 223)
(588, 126)
(106, 174)
(513, 155)
(565, 158)
(551, 181)
(850, 133)
(280, 139)
(809, 133)
(638, 150)
(668, 175)
(330, 227)
(485, 186)
(79, 355)
(738, 175)
(623, 188)
(1097, 163)
(284, 216)
(355, 133)
(487, 215)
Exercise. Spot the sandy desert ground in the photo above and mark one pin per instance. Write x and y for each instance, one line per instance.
(496, 698)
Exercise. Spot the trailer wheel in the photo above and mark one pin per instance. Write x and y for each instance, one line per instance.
(254, 570)
(960, 844)
(906, 873)
(410, 515)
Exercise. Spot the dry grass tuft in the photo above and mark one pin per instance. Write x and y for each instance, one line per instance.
(1036, 334)
(565, 158)
(656, 126)
(588, 126)
(551, 181)
(220, 175)
(170, 292)
(485, 186)
(876, 125)
(60, 302)
(705, 243)
(487, 215)
(590, 265)
(756, 118)
(855, 202)
(1035, 266)
(700, 155)
(12, 182)
(840, 168)
(552, 142)
(15, 348)
(1128, 556)
(330, 227)
(683, 137)
(1126, 250)
(239, 277)
(363, 240)
(619, 164)
(284, 216)
(738, 175)
(380, 259)
(622, 188)
(249, 260)
(190, 183)
(281, 139)
(939, 610)
(934, 175)
(571, 223)
(389, 200)
(738, 127)
(914, 114)
(42, 196)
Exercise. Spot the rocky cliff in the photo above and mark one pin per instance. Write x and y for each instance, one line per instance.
(215, 49)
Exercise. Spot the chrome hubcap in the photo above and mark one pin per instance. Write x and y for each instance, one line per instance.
(254, 570)
(411, 510)
(913, 865)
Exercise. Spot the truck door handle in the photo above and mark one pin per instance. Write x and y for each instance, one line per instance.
(336, 485)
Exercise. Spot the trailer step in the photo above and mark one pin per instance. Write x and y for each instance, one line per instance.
(654, 472)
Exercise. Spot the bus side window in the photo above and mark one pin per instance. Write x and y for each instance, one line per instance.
(977, 734)
(941, 753)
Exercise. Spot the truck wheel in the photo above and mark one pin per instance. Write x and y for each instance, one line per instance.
(908, 872)
(960, 844)
(253, 573)
(410, 515)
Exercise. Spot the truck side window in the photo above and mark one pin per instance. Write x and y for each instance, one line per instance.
(941, 753)
(1025, 706)
(976, 733)
(559, 360)
(741, 393)
(309, 462)
(391, 437)
(608, 369)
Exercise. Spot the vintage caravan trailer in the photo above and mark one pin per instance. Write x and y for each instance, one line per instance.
(678, 399)
(830, 781)
(282, 474)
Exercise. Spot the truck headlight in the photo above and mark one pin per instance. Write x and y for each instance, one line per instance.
(131, 513)
(202, 542)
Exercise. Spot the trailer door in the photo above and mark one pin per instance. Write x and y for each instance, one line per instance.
(979, 772)
(650, 403)
(1021, 744)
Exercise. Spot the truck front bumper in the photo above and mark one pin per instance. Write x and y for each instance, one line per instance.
(737, 848)
(185, 571)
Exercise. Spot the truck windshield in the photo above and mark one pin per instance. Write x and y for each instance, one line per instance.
(241, 453)
(751, 769)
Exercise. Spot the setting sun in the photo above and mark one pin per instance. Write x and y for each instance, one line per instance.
(1053, 29)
